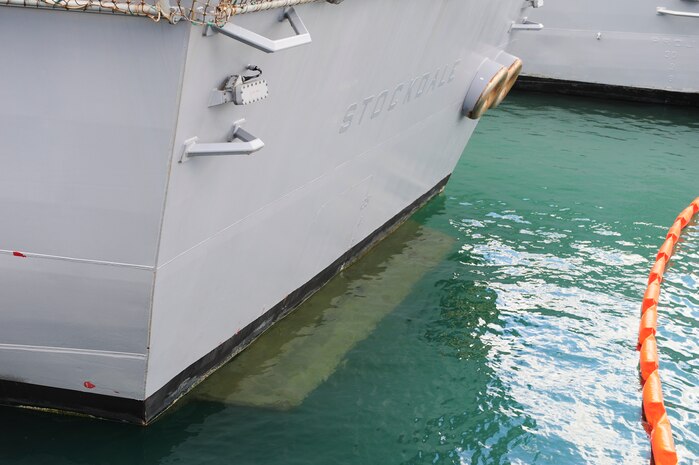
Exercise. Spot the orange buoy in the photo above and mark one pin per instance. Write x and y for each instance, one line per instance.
(651, 296)
(653, 405)
(662, 444)
(686, 216)
(675, 231)
(649, 322)
(666, 249)
(658, 270)
(649, 356)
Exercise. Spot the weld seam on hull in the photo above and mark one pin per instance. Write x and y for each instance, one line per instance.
(73, 351)
(77, 260)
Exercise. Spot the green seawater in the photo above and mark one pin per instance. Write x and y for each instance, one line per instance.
(498, 326)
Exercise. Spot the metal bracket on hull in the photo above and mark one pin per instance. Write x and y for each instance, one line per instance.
(526, 25)
(241, 90)
(688, 14)
(248, 144)
(253, 39)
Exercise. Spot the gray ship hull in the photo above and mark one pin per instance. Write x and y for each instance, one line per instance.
(635, 49)
(127, 275)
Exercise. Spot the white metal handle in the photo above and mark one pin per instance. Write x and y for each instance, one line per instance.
(246, 144)
(526, 25)
(664, 11)
(253, 39)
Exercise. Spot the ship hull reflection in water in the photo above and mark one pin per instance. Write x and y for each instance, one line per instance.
(281, 368)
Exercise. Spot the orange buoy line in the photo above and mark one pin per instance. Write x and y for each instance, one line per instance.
(662, 444)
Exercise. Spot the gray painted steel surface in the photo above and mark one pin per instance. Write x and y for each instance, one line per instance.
(621, 43)
(130, 265)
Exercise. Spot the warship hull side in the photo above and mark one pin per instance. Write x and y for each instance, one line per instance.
(127, 275)
(638, 50)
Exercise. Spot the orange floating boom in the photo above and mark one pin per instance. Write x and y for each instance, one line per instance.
(686, 216)
(649, 321)
(666, 249)
(662, 444)
(649, 357)
(658, 270)
(651, 296)
(675, 231)
(653, 405)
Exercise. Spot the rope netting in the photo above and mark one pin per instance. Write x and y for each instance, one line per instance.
(194, 11)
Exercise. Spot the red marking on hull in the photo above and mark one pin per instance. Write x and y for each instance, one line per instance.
(19, 254)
